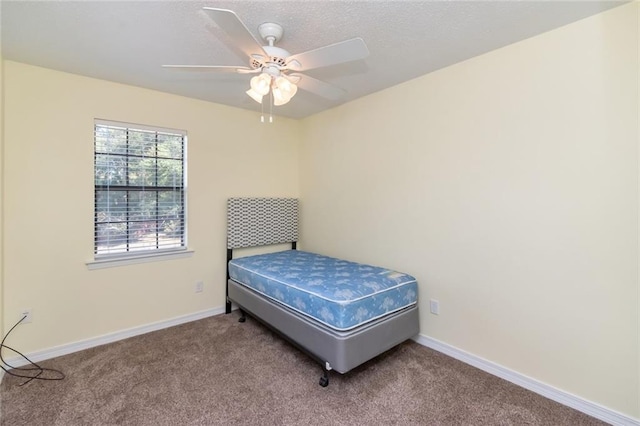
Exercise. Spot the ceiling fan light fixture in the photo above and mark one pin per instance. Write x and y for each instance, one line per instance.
(255, 95)
(260, 84)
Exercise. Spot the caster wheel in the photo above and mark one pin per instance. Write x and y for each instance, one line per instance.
(324, 382)
(242, 319)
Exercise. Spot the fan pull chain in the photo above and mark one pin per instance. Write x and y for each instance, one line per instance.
(270, 106)
(270, 109)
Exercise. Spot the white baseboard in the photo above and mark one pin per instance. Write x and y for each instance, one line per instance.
(564, 398)
(110, 337)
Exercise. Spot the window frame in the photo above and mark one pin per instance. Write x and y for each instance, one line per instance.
(140, 254)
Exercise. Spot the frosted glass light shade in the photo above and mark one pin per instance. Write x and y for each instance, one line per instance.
(287, 87)
(260, 84)
(255, 95)
(279, 97)
(282, 88)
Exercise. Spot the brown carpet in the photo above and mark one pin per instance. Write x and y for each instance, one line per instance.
(217, 371)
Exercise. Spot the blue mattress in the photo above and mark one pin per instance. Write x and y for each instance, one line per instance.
(340, 294)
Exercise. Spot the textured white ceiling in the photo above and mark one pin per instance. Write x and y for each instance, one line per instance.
(127, 41)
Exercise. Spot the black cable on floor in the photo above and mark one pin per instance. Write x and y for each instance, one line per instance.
(36, 372)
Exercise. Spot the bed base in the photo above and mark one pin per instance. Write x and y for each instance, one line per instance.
(333, 350)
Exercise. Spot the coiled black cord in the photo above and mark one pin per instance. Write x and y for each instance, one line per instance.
(34, 371)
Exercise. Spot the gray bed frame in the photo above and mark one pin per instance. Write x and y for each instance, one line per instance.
(255, 222)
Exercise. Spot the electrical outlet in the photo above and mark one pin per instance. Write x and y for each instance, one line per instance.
(27, 314)
(199, 287)
(434, 305)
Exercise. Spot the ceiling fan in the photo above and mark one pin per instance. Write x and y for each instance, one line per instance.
(278, 71)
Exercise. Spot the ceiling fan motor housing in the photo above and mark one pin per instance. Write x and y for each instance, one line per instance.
(277, 55)
(271, 33)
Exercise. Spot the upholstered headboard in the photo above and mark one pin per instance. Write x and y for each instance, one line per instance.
(255, 222)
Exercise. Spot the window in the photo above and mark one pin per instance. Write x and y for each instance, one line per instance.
(140, 190)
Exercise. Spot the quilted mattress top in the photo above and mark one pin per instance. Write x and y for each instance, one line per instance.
(336, 292)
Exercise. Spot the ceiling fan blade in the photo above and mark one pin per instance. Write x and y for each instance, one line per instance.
(318, 87)
(230, 23)
(212, 68)
(333, 54)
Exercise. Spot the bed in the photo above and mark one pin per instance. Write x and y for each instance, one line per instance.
(341, 313)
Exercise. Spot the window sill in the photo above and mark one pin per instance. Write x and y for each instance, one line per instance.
(132, 260)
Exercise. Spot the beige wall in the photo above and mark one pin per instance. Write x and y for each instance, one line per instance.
(48, 213)
(508, 185)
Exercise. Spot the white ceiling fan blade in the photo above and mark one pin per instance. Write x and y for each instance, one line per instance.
(230, 23)
(212, 68)
(318, 87)
(333, 54)
(248, 70)
(294, 78)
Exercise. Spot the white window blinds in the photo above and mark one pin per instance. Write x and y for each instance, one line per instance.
(140, 191)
